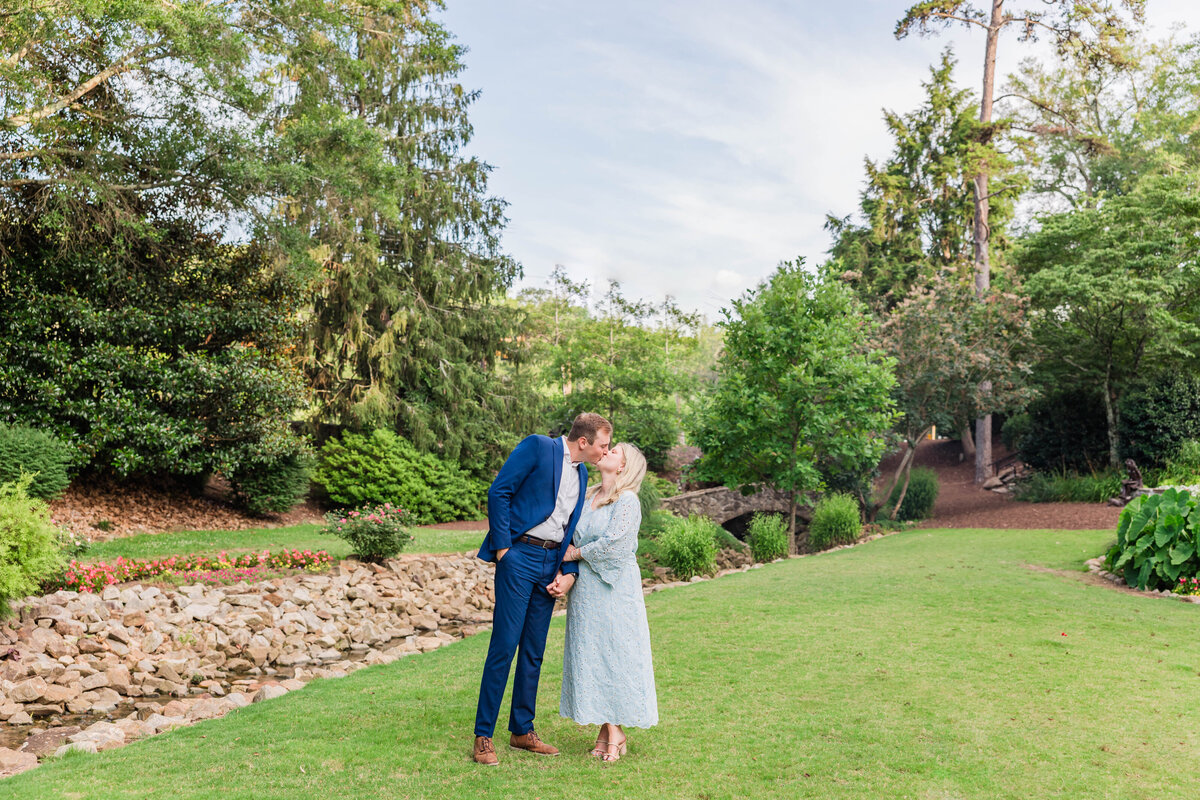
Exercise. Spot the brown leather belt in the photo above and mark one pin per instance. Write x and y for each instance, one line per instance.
(536, 542)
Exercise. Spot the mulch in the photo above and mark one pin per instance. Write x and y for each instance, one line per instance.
(962, 504)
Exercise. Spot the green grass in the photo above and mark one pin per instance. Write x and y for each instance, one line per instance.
(301, 537)
(927, 664)
(1069, 487)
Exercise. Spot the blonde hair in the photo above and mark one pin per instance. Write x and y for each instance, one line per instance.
(629, 479)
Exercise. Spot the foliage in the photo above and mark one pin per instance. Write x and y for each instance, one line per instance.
(1156, 540)
(94, 576)
(1061, 430)
(1159, 416)
(1183, 467)
(382, 467)
(1116, 289)
(376, 533)
(767, 536)
(799, 386)
(920, 497)
(917, 207)
(1094, 126)
(273, 487)
(174, 357)
(688, 547)
(836, 520)
(1069, 487)
(648, 496)
(29, 543)
(46, 458)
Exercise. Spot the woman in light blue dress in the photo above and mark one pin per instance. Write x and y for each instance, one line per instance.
(608, 675)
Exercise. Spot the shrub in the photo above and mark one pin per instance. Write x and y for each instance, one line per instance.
(1157, 418)
(180, 348)
(1061, 430)
(767, 537)
(381, 467)
(375, 533)
(1183, 467)
(273, 487)
(688, 547)
(29, 543)
(1157, 541)
(648, 496)
(47, 459)
(1069, 487)
(836, 520)
(920, 496)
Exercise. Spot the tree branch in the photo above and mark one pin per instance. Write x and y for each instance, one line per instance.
(62, 102)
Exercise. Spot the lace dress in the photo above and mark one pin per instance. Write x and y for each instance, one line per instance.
(608, 675)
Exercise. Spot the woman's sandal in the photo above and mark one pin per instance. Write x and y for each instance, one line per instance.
(600, 749)
(610, 756)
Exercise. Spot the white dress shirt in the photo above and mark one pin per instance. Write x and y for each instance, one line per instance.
(554, 527)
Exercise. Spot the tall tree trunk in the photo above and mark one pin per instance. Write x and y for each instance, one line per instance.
(981, 232)
(792, 547)
(1110, 418)
(967, 438)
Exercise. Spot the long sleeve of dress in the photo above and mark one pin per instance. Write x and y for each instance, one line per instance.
(616, 547)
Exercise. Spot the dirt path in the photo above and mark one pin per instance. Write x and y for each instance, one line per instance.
(962, 504)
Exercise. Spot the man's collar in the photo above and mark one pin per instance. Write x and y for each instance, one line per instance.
(567, 452)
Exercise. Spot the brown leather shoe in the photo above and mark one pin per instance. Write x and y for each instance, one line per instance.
(532, 743)
(485, 753)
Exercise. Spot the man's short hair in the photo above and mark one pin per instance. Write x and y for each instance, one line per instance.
(588, 425)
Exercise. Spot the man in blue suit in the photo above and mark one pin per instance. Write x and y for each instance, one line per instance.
(533, 506)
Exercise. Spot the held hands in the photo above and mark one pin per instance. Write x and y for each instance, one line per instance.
(572, 553)
(560, 585)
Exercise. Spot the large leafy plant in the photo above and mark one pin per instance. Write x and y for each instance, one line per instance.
(1156, 540)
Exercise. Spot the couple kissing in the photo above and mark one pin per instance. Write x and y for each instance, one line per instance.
(550, 537)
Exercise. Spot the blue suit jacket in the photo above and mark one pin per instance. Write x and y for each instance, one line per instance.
(524, 494)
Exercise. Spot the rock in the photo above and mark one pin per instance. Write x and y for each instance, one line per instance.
(20, 718)
(96, 681)
(102, 701)
(238, 699)
(105, 735)
(14, 761)
(269, 692)
(200, 611)
(208, 709)
(426, 622)
(70, 627)
(83, 747)
(119, 678)
(134, 620)
(291, 684)
(175, 708)
(39, 710)
(28, 691)
(152, 642)
(45, 743)
(157, 723)
(88, 645)
(60, 694)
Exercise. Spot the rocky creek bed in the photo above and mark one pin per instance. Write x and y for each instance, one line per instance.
(96, 671)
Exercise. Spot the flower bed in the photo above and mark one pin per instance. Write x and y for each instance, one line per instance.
(220, 568)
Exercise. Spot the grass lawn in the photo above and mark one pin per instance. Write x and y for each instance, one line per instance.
(300, 537)
(928, 664)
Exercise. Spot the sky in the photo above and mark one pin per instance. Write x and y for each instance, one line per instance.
(686, 147)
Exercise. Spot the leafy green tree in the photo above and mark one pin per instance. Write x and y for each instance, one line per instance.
(798, 383)
(1116, 288)
(1096, 29)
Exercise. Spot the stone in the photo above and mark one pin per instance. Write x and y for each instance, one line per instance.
(427, 622)
(89, 645)
(157, 723)
(175, 708)
(39, 710)
(61, 694)
(70, 627)
(200, 611)
(46, 742)
(105, 735)
(97, 681)
(152, 642)
(82, 747)
(207, 709)
(14, 761)
(269, 692)
(134, 620)
(20, 718)
(119, 678)
(238, 699)
(28, 691)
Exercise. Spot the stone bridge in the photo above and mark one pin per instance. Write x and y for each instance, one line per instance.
(722, 504)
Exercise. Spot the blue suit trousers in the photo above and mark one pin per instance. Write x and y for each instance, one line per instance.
(520, 624)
